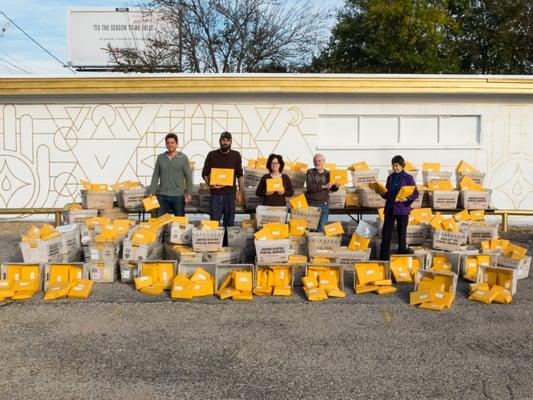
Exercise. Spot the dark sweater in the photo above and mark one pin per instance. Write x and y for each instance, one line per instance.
(314, 181)
(230, 160)
(274, 199)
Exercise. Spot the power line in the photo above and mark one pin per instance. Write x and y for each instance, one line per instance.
(37, 43)
(15, 66)
(16, 62)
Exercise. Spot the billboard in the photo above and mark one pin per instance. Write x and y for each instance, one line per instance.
(91, 30)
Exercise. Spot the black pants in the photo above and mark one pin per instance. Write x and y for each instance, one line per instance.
(401, 228)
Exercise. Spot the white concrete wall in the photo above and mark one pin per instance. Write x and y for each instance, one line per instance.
(47, 144)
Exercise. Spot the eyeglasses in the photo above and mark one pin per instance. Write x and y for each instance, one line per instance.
(275, 163)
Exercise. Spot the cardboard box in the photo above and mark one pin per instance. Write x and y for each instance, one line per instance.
(291, 268)
(521, 266)
(205, 241)
(477, 177)
(83, 267)
(428, 176)
(114, 213)
(298, 245)
(173, 252)
(347, 258)
(41, 251)
(204, 198)
(179, 233)
(297, 178)
(363, 178)
(221, 271)
(104, 251)
(447, 240)
(443, 200)
(323, 246)
(337, 200)
(252, 176)
(474, 200)
(514, 276)
(422, 258)
(251, 200)
(242, 238)
(422, 251)
(310, 214)
(462, 267)
(4, 269)
(129, 270)
(70, 241)
(272, 251)
(77, 216)
(267, 215)
(417, 234)
(102, 271)
(97, 199)
(480, 232)
(455, 258)
(140, 252)
(132, 198)
(369, 198)
(227, 255)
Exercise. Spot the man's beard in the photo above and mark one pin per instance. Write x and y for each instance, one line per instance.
(225, 147)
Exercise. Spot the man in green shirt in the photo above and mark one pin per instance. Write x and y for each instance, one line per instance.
(172, 179)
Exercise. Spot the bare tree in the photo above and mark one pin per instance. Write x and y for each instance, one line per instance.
(228, 36)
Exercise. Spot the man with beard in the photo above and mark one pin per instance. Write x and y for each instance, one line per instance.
(223, 198)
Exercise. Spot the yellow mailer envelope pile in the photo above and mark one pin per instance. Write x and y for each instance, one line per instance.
(472, 263)
(155, 277)
(495, 286)
(199, 284)
(46, 232)
(21, 283)
(237, 285)
(468, 184)
(67, 281)
(274, 280)
(371, 277)
(95, 187)
(441, 263)
(322, 282)
(403, 268)
(433, 292)
(125, 185)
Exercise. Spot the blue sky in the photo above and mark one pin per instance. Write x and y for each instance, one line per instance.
(46, 21)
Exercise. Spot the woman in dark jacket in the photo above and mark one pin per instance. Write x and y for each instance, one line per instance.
(275, 165)
(396, 209)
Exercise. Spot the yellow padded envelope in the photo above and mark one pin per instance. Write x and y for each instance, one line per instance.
(360, 166)
(338, 176)
(221, 177)
(299, 201)
(297, 227)
(334, 229)
(358, 243)
(274, 185)
(150, 203)
(405, 192)
(431, 167)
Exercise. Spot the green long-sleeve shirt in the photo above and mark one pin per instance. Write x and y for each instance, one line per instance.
(171, 175)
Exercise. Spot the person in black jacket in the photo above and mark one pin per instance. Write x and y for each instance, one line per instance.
(275, 166)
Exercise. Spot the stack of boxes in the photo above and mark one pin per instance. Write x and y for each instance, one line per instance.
(104, 240)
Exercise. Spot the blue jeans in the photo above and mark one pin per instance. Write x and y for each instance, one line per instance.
(171, 204)
(324, 216)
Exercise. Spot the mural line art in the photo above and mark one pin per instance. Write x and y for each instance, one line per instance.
(46, 149)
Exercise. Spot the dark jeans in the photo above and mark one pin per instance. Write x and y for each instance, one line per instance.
(171, 204)
(401, 228)
(222, 206)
